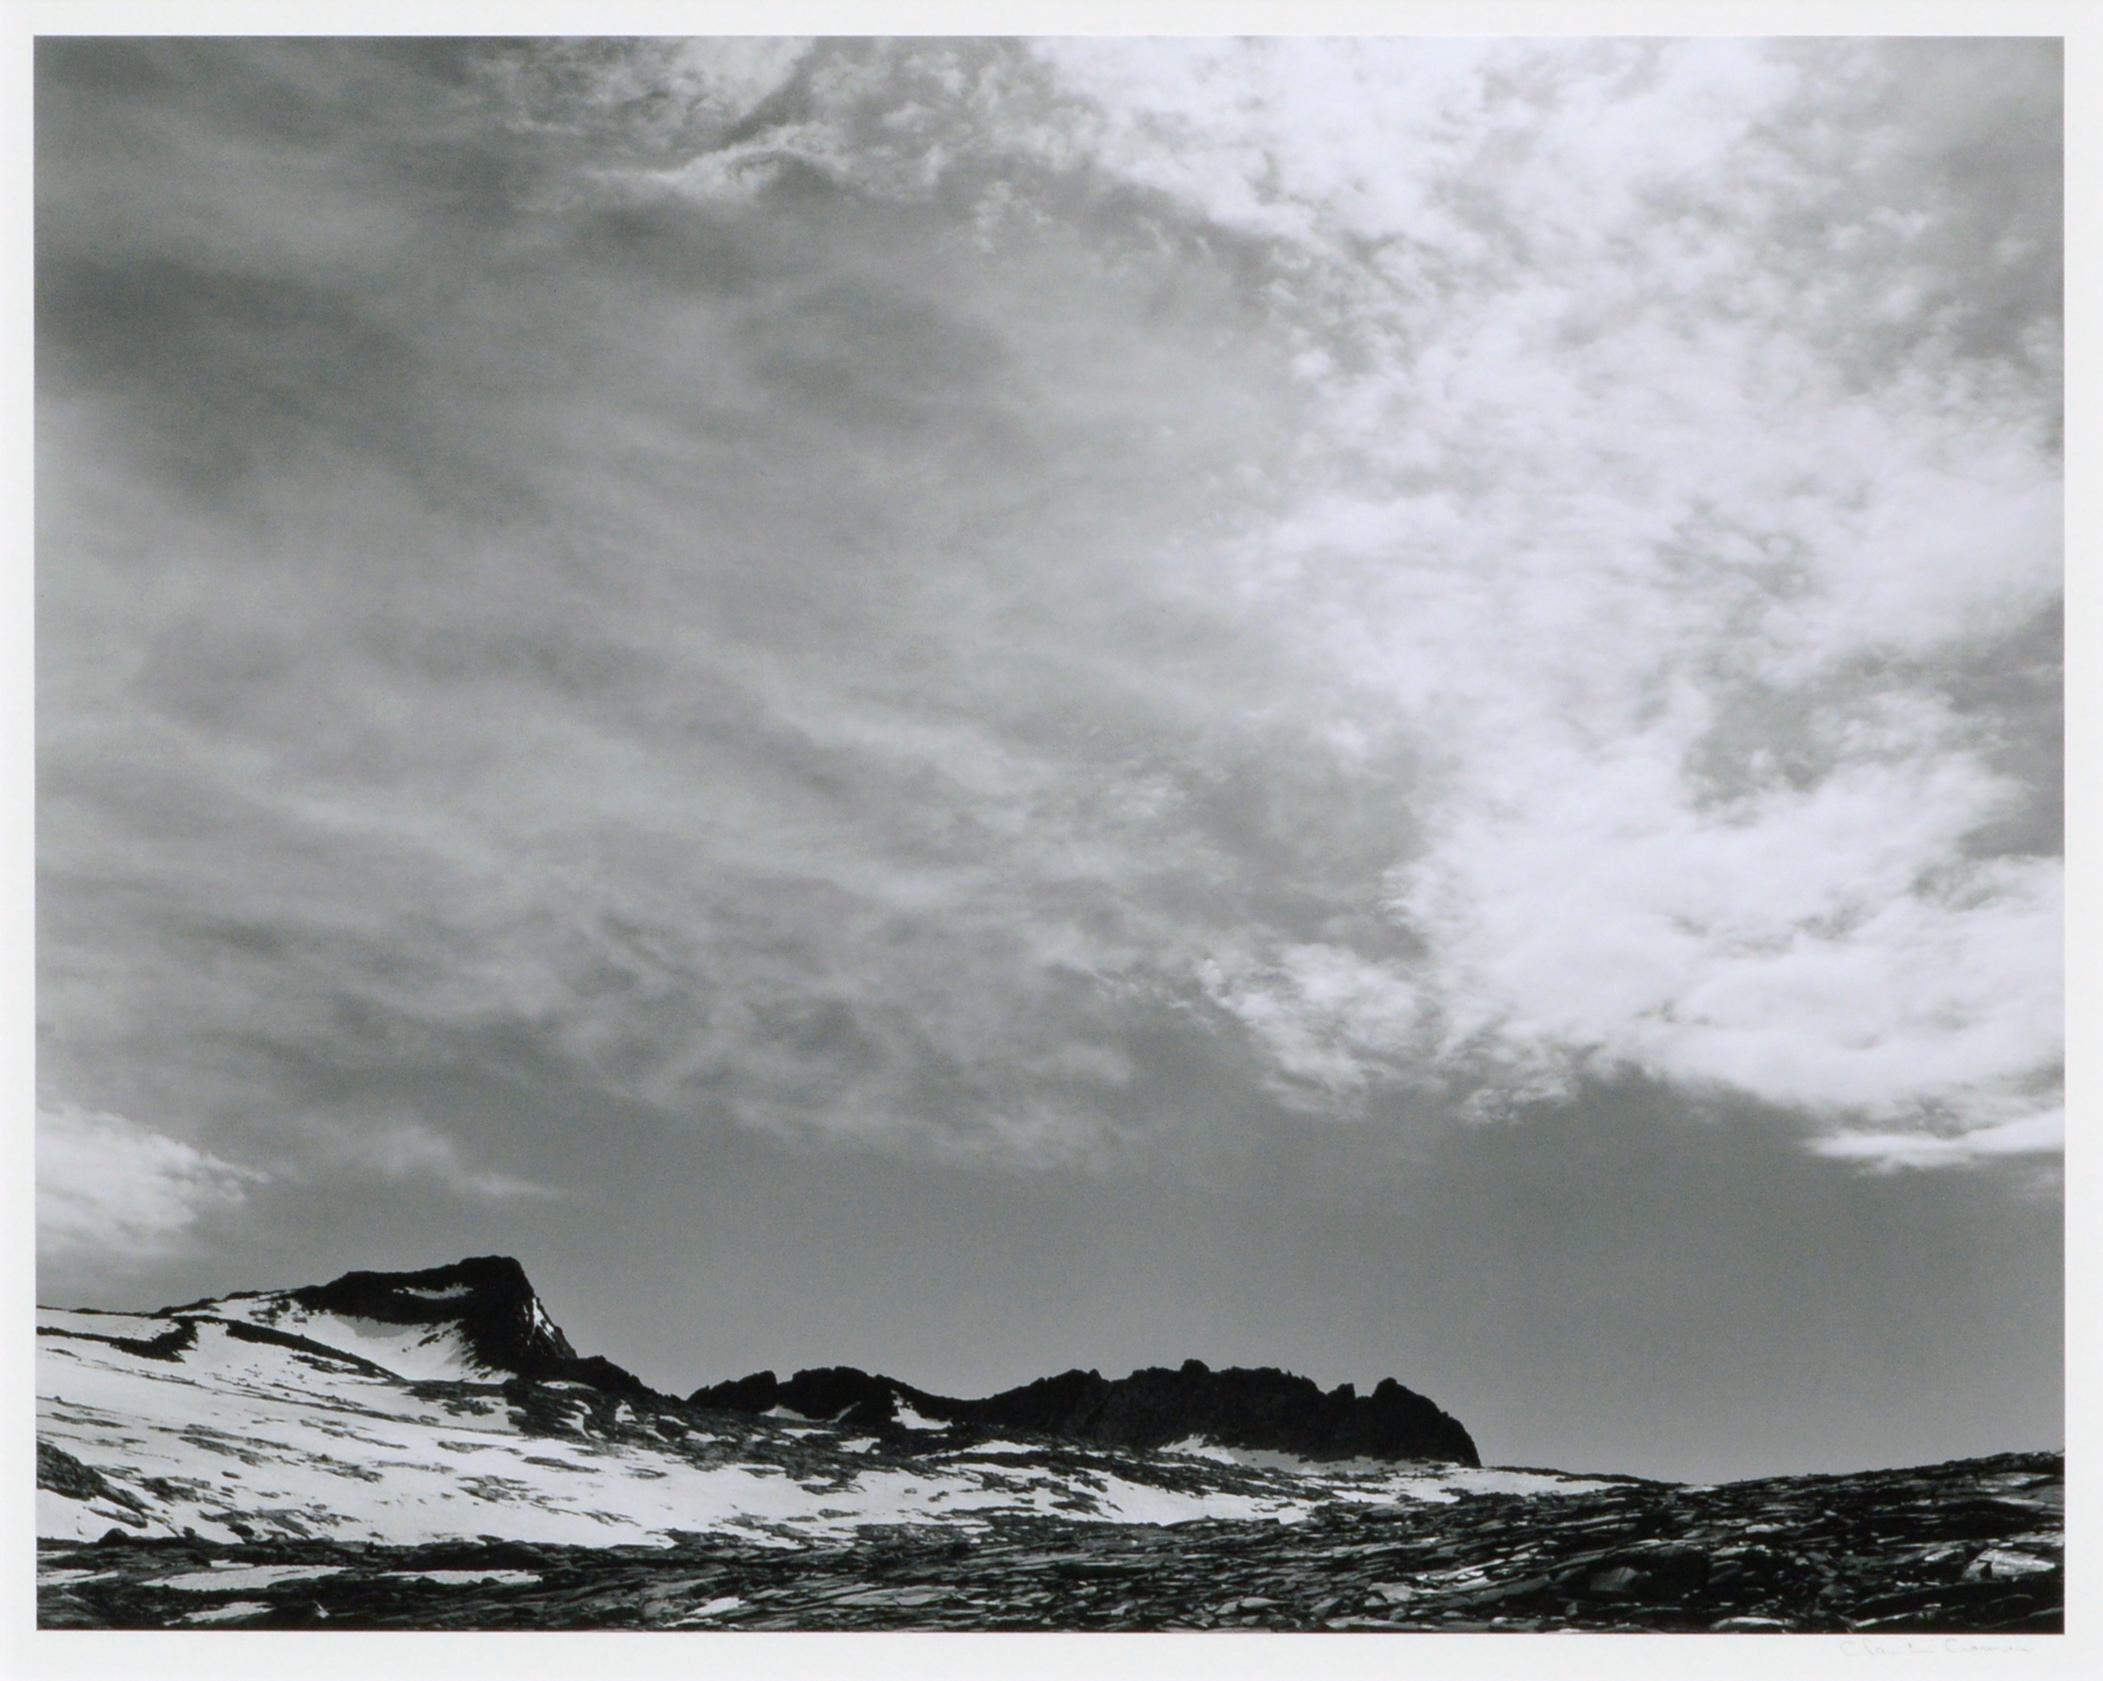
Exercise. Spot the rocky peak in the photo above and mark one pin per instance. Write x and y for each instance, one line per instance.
(484, 1305)
(488, 1296)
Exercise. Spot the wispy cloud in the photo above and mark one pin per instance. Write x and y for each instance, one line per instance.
(2042, 1134)
(413, 1151)
(863, 589)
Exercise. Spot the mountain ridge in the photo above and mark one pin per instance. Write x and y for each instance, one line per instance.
(409, 1407)
(503, 1328)
(1258, 1408)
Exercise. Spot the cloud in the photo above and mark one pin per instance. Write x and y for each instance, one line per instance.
(2041, 1134)
(413, 1152)
(861, 589)
(1634, 488)
(109, 1189)
(1323, 1015)
(1828, 949)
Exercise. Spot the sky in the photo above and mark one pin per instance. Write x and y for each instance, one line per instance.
(1384, 706)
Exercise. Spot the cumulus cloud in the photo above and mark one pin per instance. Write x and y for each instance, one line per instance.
(111, 1190)
(863, 589)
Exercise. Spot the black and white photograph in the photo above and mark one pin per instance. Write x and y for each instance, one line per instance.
(1044, 832)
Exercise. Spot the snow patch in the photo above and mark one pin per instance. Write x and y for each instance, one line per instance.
(1489, 1479)
(714, 1608)
(1389, 1480)
(1124, 1501)
(421, 1353)
(232, 1611)
(919, 1421)
(245, 1576)
(85, 1322)
(2003, 1562)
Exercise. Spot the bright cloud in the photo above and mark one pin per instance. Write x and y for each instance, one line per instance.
(1609, 493)
(109, 1189)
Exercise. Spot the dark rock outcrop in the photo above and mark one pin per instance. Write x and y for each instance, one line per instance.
(488, 1297)
(60, 1472)
(1240, 1407)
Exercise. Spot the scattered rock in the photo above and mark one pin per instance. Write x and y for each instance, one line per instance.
(1872, 1552)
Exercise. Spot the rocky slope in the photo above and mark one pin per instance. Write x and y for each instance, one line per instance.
(1973, 1547)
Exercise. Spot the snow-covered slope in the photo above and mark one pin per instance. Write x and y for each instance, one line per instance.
(430, 1406)
(437, 1352)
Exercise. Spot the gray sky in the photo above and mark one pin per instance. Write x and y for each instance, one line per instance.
(1390, 707)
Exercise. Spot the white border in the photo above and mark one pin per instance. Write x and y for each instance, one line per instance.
(25, 1651)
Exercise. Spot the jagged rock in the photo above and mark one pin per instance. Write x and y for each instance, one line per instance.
(1260, 1408)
